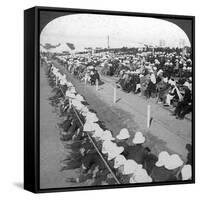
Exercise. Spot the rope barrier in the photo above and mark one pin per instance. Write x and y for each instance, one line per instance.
(96, 148)
(93, 143)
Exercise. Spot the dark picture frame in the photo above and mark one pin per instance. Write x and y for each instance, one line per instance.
(35, 19)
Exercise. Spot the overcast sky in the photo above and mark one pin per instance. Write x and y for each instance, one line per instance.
(89, 30)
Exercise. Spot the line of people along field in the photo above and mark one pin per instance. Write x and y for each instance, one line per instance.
(165, 74)
(128, 157)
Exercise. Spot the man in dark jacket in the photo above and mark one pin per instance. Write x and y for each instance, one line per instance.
(185, 106)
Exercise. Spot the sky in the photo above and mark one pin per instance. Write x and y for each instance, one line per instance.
(92, 30)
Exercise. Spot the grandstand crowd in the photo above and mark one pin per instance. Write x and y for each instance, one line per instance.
(162, 73)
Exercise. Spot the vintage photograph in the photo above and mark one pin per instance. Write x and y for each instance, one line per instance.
(116, 100)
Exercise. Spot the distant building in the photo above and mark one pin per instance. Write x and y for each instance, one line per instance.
(162, 43)
(181, 43)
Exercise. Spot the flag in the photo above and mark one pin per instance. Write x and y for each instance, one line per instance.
(70, 45)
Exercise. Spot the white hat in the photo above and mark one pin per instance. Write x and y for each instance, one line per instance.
(90, 67)
(77, 104)
(132, 179)
(107, 145)
(69, 84)
(79, 97)
(69, 94)
(172, 82)
(123, 134)
(153, 79)
(186, 172)
(114, 152)
(165, 80)
(98, 132)
(150, 71)
(63, 81)
(84, 111)
(73, 90)
(80, 106)
(138, 138)
(186, 84)
(162, 157)
(119, 160)
(184, 68)
(141, 176)
(92, 117)
(141, 75)
(107, 135)
(137, 71)
(130, 166)
(159, 71)
(173, 162)
(88, 126)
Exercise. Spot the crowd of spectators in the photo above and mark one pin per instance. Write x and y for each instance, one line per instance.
(162, 73)
(128, 156)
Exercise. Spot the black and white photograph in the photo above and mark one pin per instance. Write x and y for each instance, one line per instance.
(116, 99)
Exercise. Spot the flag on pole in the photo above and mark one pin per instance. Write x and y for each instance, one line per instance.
(70, 45)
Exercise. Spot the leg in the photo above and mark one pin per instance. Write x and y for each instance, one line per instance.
(187, 109)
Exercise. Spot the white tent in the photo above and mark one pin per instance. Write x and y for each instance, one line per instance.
(60, 49)
(42, 49)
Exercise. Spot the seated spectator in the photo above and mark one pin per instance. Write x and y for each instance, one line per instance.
(185, 106)
(172, 94)
(151, 87)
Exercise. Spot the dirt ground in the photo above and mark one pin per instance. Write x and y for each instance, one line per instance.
(166, 132)
(52, 150)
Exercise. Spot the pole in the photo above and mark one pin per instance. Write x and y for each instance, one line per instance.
(85, 79)
(115, 94)
(70, 103)
(148, 115)
(56, 81)
(97, 84)
(108, 42)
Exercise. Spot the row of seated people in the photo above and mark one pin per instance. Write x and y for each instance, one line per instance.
(165, 89)
(93, 170)
(154, 80)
